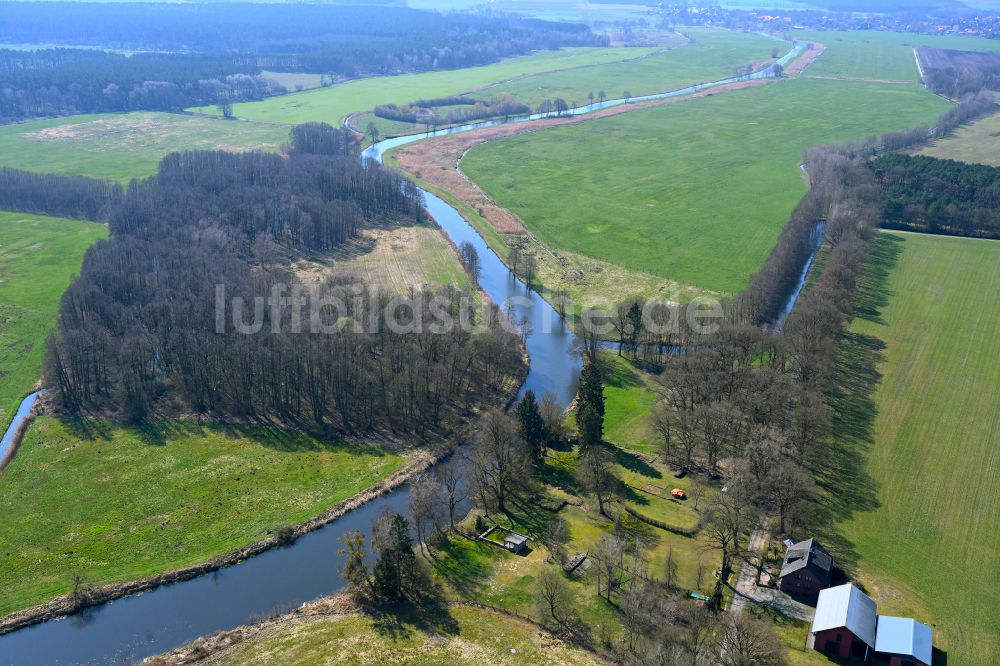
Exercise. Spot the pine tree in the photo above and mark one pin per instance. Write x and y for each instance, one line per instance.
(531, 424)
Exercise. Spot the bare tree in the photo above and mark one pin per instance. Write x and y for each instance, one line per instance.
(595, 475)
(601, 96)
(608, 556)
(500, 461)
(791, 488)
(226, 109)
(453, 483)
(727, 525)
(372, 132)
(590, 97)
(530, 269)
(553, 417)
(470, 258)
(553, 598)
(514, 258)
(428, 508)
(747, 641)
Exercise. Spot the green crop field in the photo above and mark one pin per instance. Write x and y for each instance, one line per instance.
(446, 635)
(332, 104)
(38, 258)
(696, 192)
(124, 146)
(927, 537)
(117, 503)
(977, 143)
(882, 55)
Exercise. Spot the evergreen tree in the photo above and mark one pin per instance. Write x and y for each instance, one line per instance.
(531, 424)
(590, 406)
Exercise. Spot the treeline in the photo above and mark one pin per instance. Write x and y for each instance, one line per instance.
(214, 53)
(54, 82)
(423, 111)
(172, 314)
(63, 196)
(939, 196)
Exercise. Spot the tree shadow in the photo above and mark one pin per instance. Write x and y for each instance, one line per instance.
(842, 472)
(632, 462)
(427, 615)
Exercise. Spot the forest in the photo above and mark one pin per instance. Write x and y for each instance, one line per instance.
(139, 331)
(939, 196)
(192, 55)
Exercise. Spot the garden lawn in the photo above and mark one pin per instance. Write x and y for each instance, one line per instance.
(927, 546)
(125, 145)
(117, 503)
(444, 636)
(38, 258)
(882, 55)
(696, 191)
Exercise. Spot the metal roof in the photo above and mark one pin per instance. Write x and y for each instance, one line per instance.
(801, 554)
(515, 538)
(846, 606)
(905, 637)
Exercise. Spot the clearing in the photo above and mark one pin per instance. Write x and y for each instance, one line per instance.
(664, 191)
(444, 636)
(38, 258)
(116, 503)
(125, 146)
(976, 143)
(916, 497)
(397, 258)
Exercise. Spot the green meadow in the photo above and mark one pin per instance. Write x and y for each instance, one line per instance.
(912, 484)
(697, 191)
(882, 55)
(332, 104)
(976, 143)
(115, 503)
(125, 145)
(38, 258)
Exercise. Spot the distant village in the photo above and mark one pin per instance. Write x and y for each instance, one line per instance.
(967, 23)
(846, 623)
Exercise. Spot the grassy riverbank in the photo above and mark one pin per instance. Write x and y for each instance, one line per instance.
(665, 190)
(449, 635)
(115, 503)
(914, 485)
(38, 257)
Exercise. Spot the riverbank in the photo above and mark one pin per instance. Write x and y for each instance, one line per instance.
(336, 631)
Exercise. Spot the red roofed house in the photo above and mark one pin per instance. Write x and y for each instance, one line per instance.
(845, 623)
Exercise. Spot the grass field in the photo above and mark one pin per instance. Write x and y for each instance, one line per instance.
(332, 104)
(696, 192)
(882, 55)
(118, 503)
(38, 258)
(451, 635)
(712, 55)
(397, 258)
(920, 509)
(124, 146)
(977, 143)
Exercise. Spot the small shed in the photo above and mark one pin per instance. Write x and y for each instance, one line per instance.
(903, 641)
(515, 543)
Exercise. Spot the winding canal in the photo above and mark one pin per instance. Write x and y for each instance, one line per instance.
(142, 625)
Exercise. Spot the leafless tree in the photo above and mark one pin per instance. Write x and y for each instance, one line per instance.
(747, 641)
(500, 461)
(553, 598)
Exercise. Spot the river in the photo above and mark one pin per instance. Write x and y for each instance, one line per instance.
(169, 616)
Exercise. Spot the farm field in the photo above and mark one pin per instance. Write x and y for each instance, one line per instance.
(455, 634)
(397, 258)
(38, 258)
(881, 55)
(117, 503)
(976, 143)
(332, 104)
(664, 190)
(124, 146)
(926, 542)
